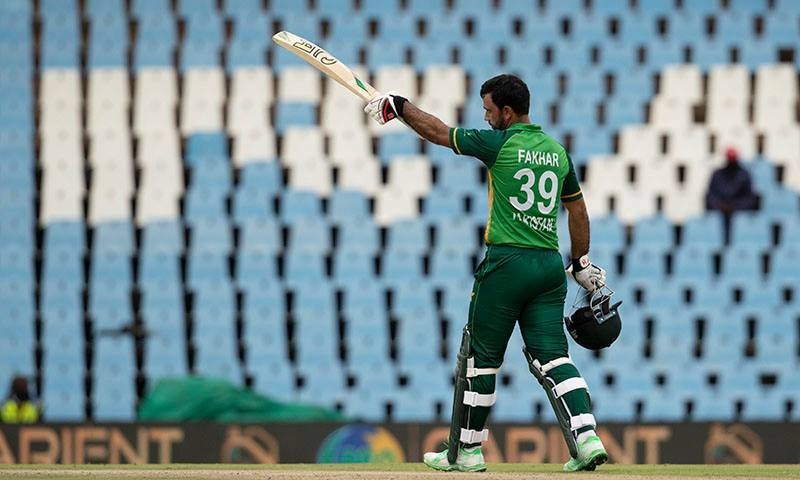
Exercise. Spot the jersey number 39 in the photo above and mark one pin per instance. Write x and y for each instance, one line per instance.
(547, 189)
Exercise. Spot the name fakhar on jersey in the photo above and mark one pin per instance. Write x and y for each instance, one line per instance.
(534, 157)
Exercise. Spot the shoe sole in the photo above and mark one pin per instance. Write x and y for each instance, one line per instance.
(596, 459)
(457, 468)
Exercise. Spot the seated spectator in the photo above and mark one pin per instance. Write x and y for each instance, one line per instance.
(731, 190)
(18, 407)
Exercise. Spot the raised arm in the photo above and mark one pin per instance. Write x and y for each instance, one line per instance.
(426, 125)
(388, 107)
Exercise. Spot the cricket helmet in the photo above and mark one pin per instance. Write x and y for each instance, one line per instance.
(595, 322)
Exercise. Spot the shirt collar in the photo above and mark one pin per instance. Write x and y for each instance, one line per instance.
(524, 126)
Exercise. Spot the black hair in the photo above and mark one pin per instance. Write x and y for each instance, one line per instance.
(508, 90)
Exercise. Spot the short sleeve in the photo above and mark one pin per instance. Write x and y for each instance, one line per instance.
(571, 190)
(481, 144)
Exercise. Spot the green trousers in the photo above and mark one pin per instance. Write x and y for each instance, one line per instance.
(526, 286)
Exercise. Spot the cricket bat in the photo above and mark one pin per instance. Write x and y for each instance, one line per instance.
(326, 63)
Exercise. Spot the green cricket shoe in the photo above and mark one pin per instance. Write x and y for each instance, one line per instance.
(591, 453)
(468, 460)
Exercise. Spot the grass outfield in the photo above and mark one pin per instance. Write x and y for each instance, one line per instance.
(384, 472)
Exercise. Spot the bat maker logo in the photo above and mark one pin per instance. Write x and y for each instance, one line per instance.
(315, 52)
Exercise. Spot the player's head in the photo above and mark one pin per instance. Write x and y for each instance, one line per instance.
(505, 99)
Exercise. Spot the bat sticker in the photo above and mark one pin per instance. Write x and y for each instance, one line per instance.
(315, 52)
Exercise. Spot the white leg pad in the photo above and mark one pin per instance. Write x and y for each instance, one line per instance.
(474, 436)
(569, 385)
(582, 420)
(552, 364)
(474, 399)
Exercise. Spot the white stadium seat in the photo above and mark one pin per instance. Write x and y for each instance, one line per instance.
(311, 175)
(299, 84)
(397, 78)
(107, 203)
(597, 203)
(334, 91)
(687, 145)
(362, 175)
(782, 145)
(726, 113)
(110, 147)
(207, 84)
(302, 143)
(348, 145)
(392, 205)
(682, 204)
(632, 204)
(670, 113)
(684, 82)
(244, 115)
(254, 84)
(777, 80)
(200, 115)
(411, 174)
(639, 142)
(605, 174)
(342, 113)
(157, 83)
(165, 176)
(159, 146)
(60, 147)
(153, 204)
(108, 84)
(728, 81)
(60, 85)
(60, 116)
(442, 108)
(446, 82)
(743, 139)
(660, 176)
(253, 144)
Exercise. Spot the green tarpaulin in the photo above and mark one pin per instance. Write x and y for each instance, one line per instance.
(198, 398)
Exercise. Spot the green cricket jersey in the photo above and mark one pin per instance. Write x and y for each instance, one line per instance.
(529, 175)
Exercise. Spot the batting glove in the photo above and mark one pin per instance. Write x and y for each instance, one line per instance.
(589, 276)
(385, 108)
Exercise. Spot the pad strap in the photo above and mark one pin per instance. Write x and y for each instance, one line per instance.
(474, 436)
(473, 372)
(569, 385)
(582, 420)
(475, 399)
(552, 364)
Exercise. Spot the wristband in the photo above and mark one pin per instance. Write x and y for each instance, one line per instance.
(579, 264)
(399, 103)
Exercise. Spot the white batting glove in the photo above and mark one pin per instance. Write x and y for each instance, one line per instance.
(589, 276)
(386, 107)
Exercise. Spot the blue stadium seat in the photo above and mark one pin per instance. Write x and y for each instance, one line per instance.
(244, 52)
(275, 380)
(299, 205)
(199, 53)
(163, 236)
(362, 295)
(251, 203)
(349, 206)
(316, 341)
(211, 235)
(351, 264)
(781, 29)
(206, 145)
(427, 53)
(655, 231)
(304, 266)
(577, 112)
(293, 114)
(664, 408)
(663, 52)
(456, 233)
(394, 144)
(202, 26)
(621, 110)
(261, 234)
(400, 264)
(206, 267)
(751, 229)
(106, 52)
(362, 236)
(706, 231)
(450, 264)
(779, 203)
(151, 54)
(155, 267)
(242, 7)
(525, 58)
(742, 263)
(204, 204)
(254, 266)
(114, 237)
(156, 28)
(151, 7)
(706, 54)
(747, 7)
(263, 175)
(310, 235)
(110, 265)
(59, 265)
(443, 204)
